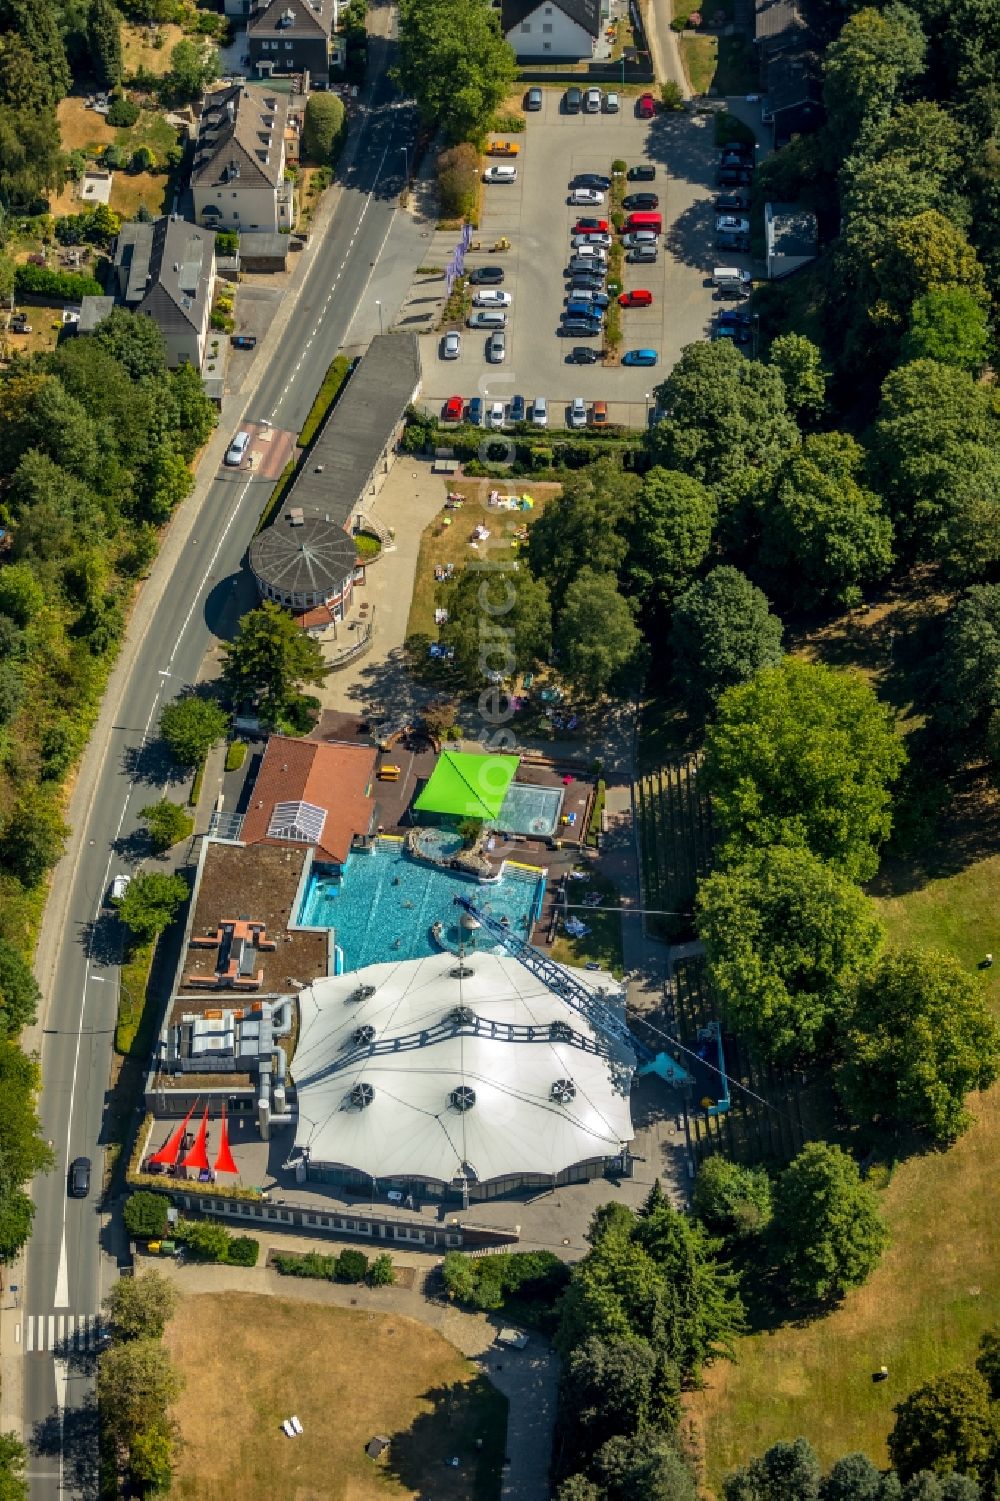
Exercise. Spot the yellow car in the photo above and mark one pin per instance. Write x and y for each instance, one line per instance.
(504, 148)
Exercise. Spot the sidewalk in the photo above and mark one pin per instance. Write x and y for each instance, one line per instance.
(663, 49)
(528, 1379)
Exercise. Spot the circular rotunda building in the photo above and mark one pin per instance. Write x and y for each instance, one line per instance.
(304, 562)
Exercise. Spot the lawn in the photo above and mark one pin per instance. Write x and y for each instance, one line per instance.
(718, 64)
(249, 1361)
(129, 189)
(446, 540)
(139, 50)
(603, 944)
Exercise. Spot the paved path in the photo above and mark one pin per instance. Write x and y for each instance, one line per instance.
(528, 1378)
(663, 49)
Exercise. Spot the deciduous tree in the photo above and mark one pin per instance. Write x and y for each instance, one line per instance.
(669, 532)
(136, 1383)
(722, 634)
(787, 936)
(731, 1199)
(33, 836)
(151, 902)
(168, 823)
(193, 66)
(13, 1461)
(140, 1307)
(805, 755)
(597, 638)
(586, 523)
(19, 992)
(948, 325)
(919, 1038)
(498, 623)
(800, 365)
(270, 661)
(454, 60)
(828, 1232)
(322, 128)
(191, 726)
(949, 1423)
(876, 55)
(786, 1472)
(968, 668)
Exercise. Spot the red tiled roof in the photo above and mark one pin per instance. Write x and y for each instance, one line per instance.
(318, 615)
(335, 777)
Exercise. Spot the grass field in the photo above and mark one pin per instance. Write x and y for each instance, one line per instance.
(138, 49)
(248, 1362)
(603, 944)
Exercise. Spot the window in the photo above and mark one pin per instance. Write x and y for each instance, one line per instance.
(289, 46)
(546, 46)
(525, 25)
(547, 27)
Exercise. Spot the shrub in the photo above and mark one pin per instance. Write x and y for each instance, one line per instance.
(236, 755)
(243, 1251)
(491, 1281)
(206, 1240)
(458, 181)
(352, 1266)
(619, 167)
(146, 1214)
(227, 242)
(382, 1273)
(60, 286)
(312, 1264)
(122, 112)
(143, 160)
(507, 123)
(672, 96)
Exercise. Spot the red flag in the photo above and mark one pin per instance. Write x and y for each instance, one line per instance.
(224, 1162)
(168, 1154)
(198, 1156)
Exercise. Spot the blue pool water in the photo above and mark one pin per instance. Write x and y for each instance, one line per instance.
(383, 905)
(533, 811)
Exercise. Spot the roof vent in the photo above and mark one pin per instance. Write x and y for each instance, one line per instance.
(360, 1096)
(462, 1016)
(563, 1091)
(363, 1036)
(463, 1098)
(363, 993)
(561, 1032)
(461, 972)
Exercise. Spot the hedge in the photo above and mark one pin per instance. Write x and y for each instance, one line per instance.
(61, 286)
(326, 396)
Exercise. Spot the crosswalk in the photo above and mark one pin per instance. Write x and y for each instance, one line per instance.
(62, 1333)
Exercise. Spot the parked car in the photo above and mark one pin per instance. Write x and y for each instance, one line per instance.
(728, 203)
(642, 172)
(645, 106)
(599, 414)
(79, 1177)
(588, 225)
(590, 196)
(591, 180)
(503, 148)
(734, 223)
(572, 100)
(592, 237)
(492, 317)
(579, 328)
(453, 409)
(640, 200)
(727, 241)
(742, 149)
(637, 298)
(640, 239)
(495, 415)
(451, 346)
(496, 348)
(533, 100)
(575, 309)
(492, 298)
(642, 255)
(580, 265)
(475, 415)
(577, 415)
(581, 355)
(517, 409)
(583, 250)
(612, 104)
(486, 275)
(500, 174)
(244, 341)
(640, 357)
(540, 411)
(592, 102)
(733, 177)
(237, 449)
(736, 315)
(734, 331)
(596, 300)
(118, 887)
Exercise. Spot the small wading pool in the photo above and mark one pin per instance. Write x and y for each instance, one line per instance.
(383, 905)
(531, 810)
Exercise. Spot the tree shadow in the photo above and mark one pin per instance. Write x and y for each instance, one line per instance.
(152, 763)
(691, 237)
(76, 1434)
(103, 938)
(225, 603)
(467, 1423)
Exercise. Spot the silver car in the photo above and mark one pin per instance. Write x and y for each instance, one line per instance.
(592, 102)
(451, 346)
(496, 348)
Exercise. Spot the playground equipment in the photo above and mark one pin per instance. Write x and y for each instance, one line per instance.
(703, 1072)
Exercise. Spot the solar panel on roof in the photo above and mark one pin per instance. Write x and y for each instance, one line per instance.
(301, 822)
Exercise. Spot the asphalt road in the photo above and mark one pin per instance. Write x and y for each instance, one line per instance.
(67, 1268)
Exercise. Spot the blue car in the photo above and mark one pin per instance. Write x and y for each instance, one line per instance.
(640, 357)
(576, 309)
(476, 411)
(517, 409)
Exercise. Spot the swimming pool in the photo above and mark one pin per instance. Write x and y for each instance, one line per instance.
(531, 810)
(384, 904)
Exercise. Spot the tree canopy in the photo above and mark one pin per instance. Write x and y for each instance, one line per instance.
(454, 60)
(787, 937)
(669, 529)
(948, 325)
(597, 638)
(140, 1307)
(499, 623)
(828, 1234)
(191, 726)
(804, 755)
(270, 660)
(722, 634)
(585, 522)
(322, 127)
(151, 902)
(968, 668)
(732, 1200)
(19, 992)
(949, 1423)
(919, 1038)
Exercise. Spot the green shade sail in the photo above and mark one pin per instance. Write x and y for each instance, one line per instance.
(466, 785)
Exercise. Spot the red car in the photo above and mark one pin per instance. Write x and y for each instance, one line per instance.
(453, 409)
(640, 298)
(646, 108)
(590, 227)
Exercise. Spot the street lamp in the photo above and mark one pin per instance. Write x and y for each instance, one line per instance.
(406, 163)
(379, 306)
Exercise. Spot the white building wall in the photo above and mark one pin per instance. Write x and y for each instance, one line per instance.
(241, 208)
(550, 32)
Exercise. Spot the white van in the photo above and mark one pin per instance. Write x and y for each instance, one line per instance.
(732, 281)
(237, 449)
(540, 411)
(500, 174)
(487, 318)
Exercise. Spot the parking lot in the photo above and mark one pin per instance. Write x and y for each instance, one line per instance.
(534, 214)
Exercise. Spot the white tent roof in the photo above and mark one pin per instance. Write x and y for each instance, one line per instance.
(421, 1053)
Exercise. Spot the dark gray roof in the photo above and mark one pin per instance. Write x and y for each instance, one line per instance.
(586, 13)
(165, 268)
(292, 18)
(93, 310)
(303, 555)
(791, 230)
(351, 442)
(261, 242)
(779, 23)
(240, 138)
(794, 79)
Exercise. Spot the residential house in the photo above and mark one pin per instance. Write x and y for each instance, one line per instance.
(165, 270)
(292, 36)
(551, 30)
(793, 100)
(238, 177)
(779, 26)
(791, 237)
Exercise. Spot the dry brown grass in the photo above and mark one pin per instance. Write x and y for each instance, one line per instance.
(139, 51)
(83, 129)
(129, 189)
(250, 1361)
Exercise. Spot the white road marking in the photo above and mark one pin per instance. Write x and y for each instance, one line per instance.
(65, 1332)
(211, 564)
